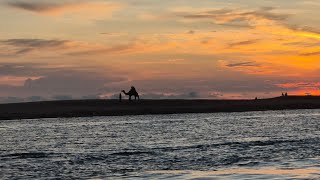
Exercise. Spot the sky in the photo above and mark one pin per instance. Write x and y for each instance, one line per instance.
(232, 49)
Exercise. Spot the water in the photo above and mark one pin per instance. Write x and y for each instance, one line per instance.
(251, 145)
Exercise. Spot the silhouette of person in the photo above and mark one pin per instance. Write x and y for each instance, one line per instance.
(286, 94)
(120, 97)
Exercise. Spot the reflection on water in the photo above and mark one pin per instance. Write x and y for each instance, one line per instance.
(238, 173)
(251, 145)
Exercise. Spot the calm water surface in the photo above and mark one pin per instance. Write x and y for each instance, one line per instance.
(251, 145)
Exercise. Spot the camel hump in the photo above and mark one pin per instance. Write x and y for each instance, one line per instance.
(133, 89)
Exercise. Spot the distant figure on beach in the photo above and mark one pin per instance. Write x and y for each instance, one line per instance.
(132, 92)
(286, 94)
(282, 95)
(120, 97)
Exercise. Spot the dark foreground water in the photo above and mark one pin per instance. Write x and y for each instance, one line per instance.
(252, 145)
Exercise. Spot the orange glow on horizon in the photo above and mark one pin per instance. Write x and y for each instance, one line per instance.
(293, 173)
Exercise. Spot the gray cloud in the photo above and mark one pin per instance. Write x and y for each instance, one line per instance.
(191, 32)
(96, 96)
(213, 87)
(62, 97)
(223, 13)
(11, 99)
(243, 43)
(36, 69)
(304, 44)
(33, 6)
(18, 69)
(34, 43)
(310, 53)
(305, 28)
(68, 82)
(234, 17)
(226, 82)
(216, 94)
(35, 98)
(24, 46)
(46, 6)
(242, 64)
(114, 49)
(50, 80)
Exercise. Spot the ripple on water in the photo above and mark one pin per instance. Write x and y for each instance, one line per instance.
(251, 145)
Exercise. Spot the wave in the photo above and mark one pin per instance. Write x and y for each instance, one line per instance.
(33, 155)
(130, 153)
(240, 144)
(205, 147)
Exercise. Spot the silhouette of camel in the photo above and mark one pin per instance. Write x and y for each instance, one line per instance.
(131, 93)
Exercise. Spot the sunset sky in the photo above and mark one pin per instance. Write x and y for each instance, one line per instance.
(165, 48)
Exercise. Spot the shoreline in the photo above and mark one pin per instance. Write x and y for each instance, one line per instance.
(90, 108)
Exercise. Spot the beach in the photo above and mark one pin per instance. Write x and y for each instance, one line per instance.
(89, 108)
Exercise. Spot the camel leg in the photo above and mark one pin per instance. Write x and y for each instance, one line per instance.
(130, 98)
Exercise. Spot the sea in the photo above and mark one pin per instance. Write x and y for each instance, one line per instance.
(248, 145)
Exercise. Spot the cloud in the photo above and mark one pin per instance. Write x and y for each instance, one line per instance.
(35, 99)
(26, 46)
(223, 83)
(257, 68)
(113, 34)
(62, 97)
(63, 82)
(11, 99)
(16, 73)
(95, 96)
(316, 53)
(263, 19)
(151, 17)
(54, 47)
(243, 43)
(301, 88)
(300, 85)
(188, 95)
(304, 44)
(160, 95)
(35, 7)
(305, 28)
(34, 43)
(234, 17)
(47, 80)
(191, 32)
(243, 64)
(14, 69)
(59, 8)
(105, 50)
(215, 94)
(57, 47)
